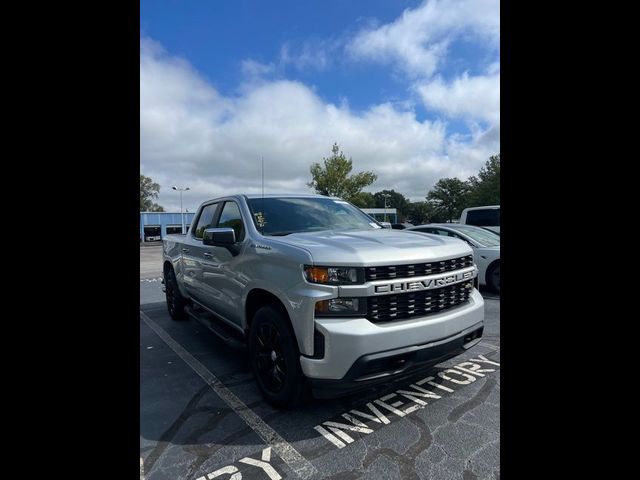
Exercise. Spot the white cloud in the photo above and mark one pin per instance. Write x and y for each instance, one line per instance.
(191, 135)
(254, 69)
(317, 54)
(465, 97)
(418, 40)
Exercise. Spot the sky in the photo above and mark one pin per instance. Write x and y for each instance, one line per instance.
(408, 89)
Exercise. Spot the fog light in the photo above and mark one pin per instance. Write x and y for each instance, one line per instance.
(338, 305)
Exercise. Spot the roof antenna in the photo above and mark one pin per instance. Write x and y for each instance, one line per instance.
(262, 223)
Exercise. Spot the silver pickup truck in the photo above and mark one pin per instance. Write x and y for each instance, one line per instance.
(326, 300)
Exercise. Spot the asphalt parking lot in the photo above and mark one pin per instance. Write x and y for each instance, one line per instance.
(202, 416)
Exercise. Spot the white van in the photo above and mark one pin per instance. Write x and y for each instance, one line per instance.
(487, 216)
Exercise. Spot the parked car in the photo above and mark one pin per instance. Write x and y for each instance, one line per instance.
(325, 299)
(401, 226)
(487, 216)
(485, 244)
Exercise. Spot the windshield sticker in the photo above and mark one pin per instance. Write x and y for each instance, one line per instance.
(260, 219)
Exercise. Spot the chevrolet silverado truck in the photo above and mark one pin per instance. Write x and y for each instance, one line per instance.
(326, 301)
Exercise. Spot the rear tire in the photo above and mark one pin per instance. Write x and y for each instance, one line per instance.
(175, 301)
(493, 277)
(275, 359)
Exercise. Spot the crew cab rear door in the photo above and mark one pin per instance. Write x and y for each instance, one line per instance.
(193, 252)
(223, 284)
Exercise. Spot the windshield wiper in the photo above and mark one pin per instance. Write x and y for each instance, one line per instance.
(280, 234)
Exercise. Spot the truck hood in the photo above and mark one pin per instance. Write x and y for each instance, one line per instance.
(375, 247)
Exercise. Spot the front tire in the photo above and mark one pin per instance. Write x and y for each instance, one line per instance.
(275, 359)
(493, 277)
(175, 301)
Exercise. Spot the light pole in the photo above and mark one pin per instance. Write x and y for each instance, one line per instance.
(385, 195)
(181, 214)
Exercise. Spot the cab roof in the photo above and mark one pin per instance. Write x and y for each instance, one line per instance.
(287, 195)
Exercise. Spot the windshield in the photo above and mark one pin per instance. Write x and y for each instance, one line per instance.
(480, 235)
(283, 216)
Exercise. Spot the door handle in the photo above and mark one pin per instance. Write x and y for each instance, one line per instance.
(185, 250)
(207, 255)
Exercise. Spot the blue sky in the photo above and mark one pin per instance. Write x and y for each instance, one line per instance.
(362, 68)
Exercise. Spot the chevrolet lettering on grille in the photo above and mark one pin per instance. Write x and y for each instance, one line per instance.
(397, 287)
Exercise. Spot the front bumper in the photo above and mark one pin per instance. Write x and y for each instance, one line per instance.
(379, 368)
(351, 343)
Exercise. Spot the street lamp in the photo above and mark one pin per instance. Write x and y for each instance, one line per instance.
(181, 214)
(385, 195)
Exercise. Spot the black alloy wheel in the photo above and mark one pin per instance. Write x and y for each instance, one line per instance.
(493, 277)
(270, 363)
(275, 358)
(175, 301)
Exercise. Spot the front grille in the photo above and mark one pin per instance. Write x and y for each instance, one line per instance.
(387, 308)
(416, 269)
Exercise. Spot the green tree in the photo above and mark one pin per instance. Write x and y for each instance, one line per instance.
(420, 213)
(364, 200)
(485, 188)
(149, 191)
(449, 196)
(155, 208)
(333, 178)
(395, 200)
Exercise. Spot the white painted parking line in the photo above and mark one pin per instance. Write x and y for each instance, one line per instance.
(151, 280)
(493, 347)
(300, 465)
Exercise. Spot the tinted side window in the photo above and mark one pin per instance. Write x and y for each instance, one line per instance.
(206, 219)
(484, 218)
(231, 218)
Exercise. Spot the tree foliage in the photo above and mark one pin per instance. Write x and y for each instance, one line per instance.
(155, 208)
(334, 179)
(449, 196)
(485, 188)
(149, 191)
(420, 213)
(363, 200)
(395, 200)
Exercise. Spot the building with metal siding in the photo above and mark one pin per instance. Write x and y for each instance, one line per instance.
(154, 226)
(380, 214)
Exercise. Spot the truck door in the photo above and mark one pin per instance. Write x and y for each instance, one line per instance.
(193, 253)
(224, 285)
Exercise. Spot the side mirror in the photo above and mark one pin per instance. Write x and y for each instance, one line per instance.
(222, 237)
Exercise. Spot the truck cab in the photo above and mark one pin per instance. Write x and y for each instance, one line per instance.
(327, 301)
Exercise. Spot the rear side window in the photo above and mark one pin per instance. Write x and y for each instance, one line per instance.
(206, 219)
(484, 218)
(231, 218)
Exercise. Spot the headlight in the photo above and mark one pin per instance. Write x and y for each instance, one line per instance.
(334, 275)
(341, 307)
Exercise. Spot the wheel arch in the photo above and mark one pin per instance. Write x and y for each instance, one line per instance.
(258, 298)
